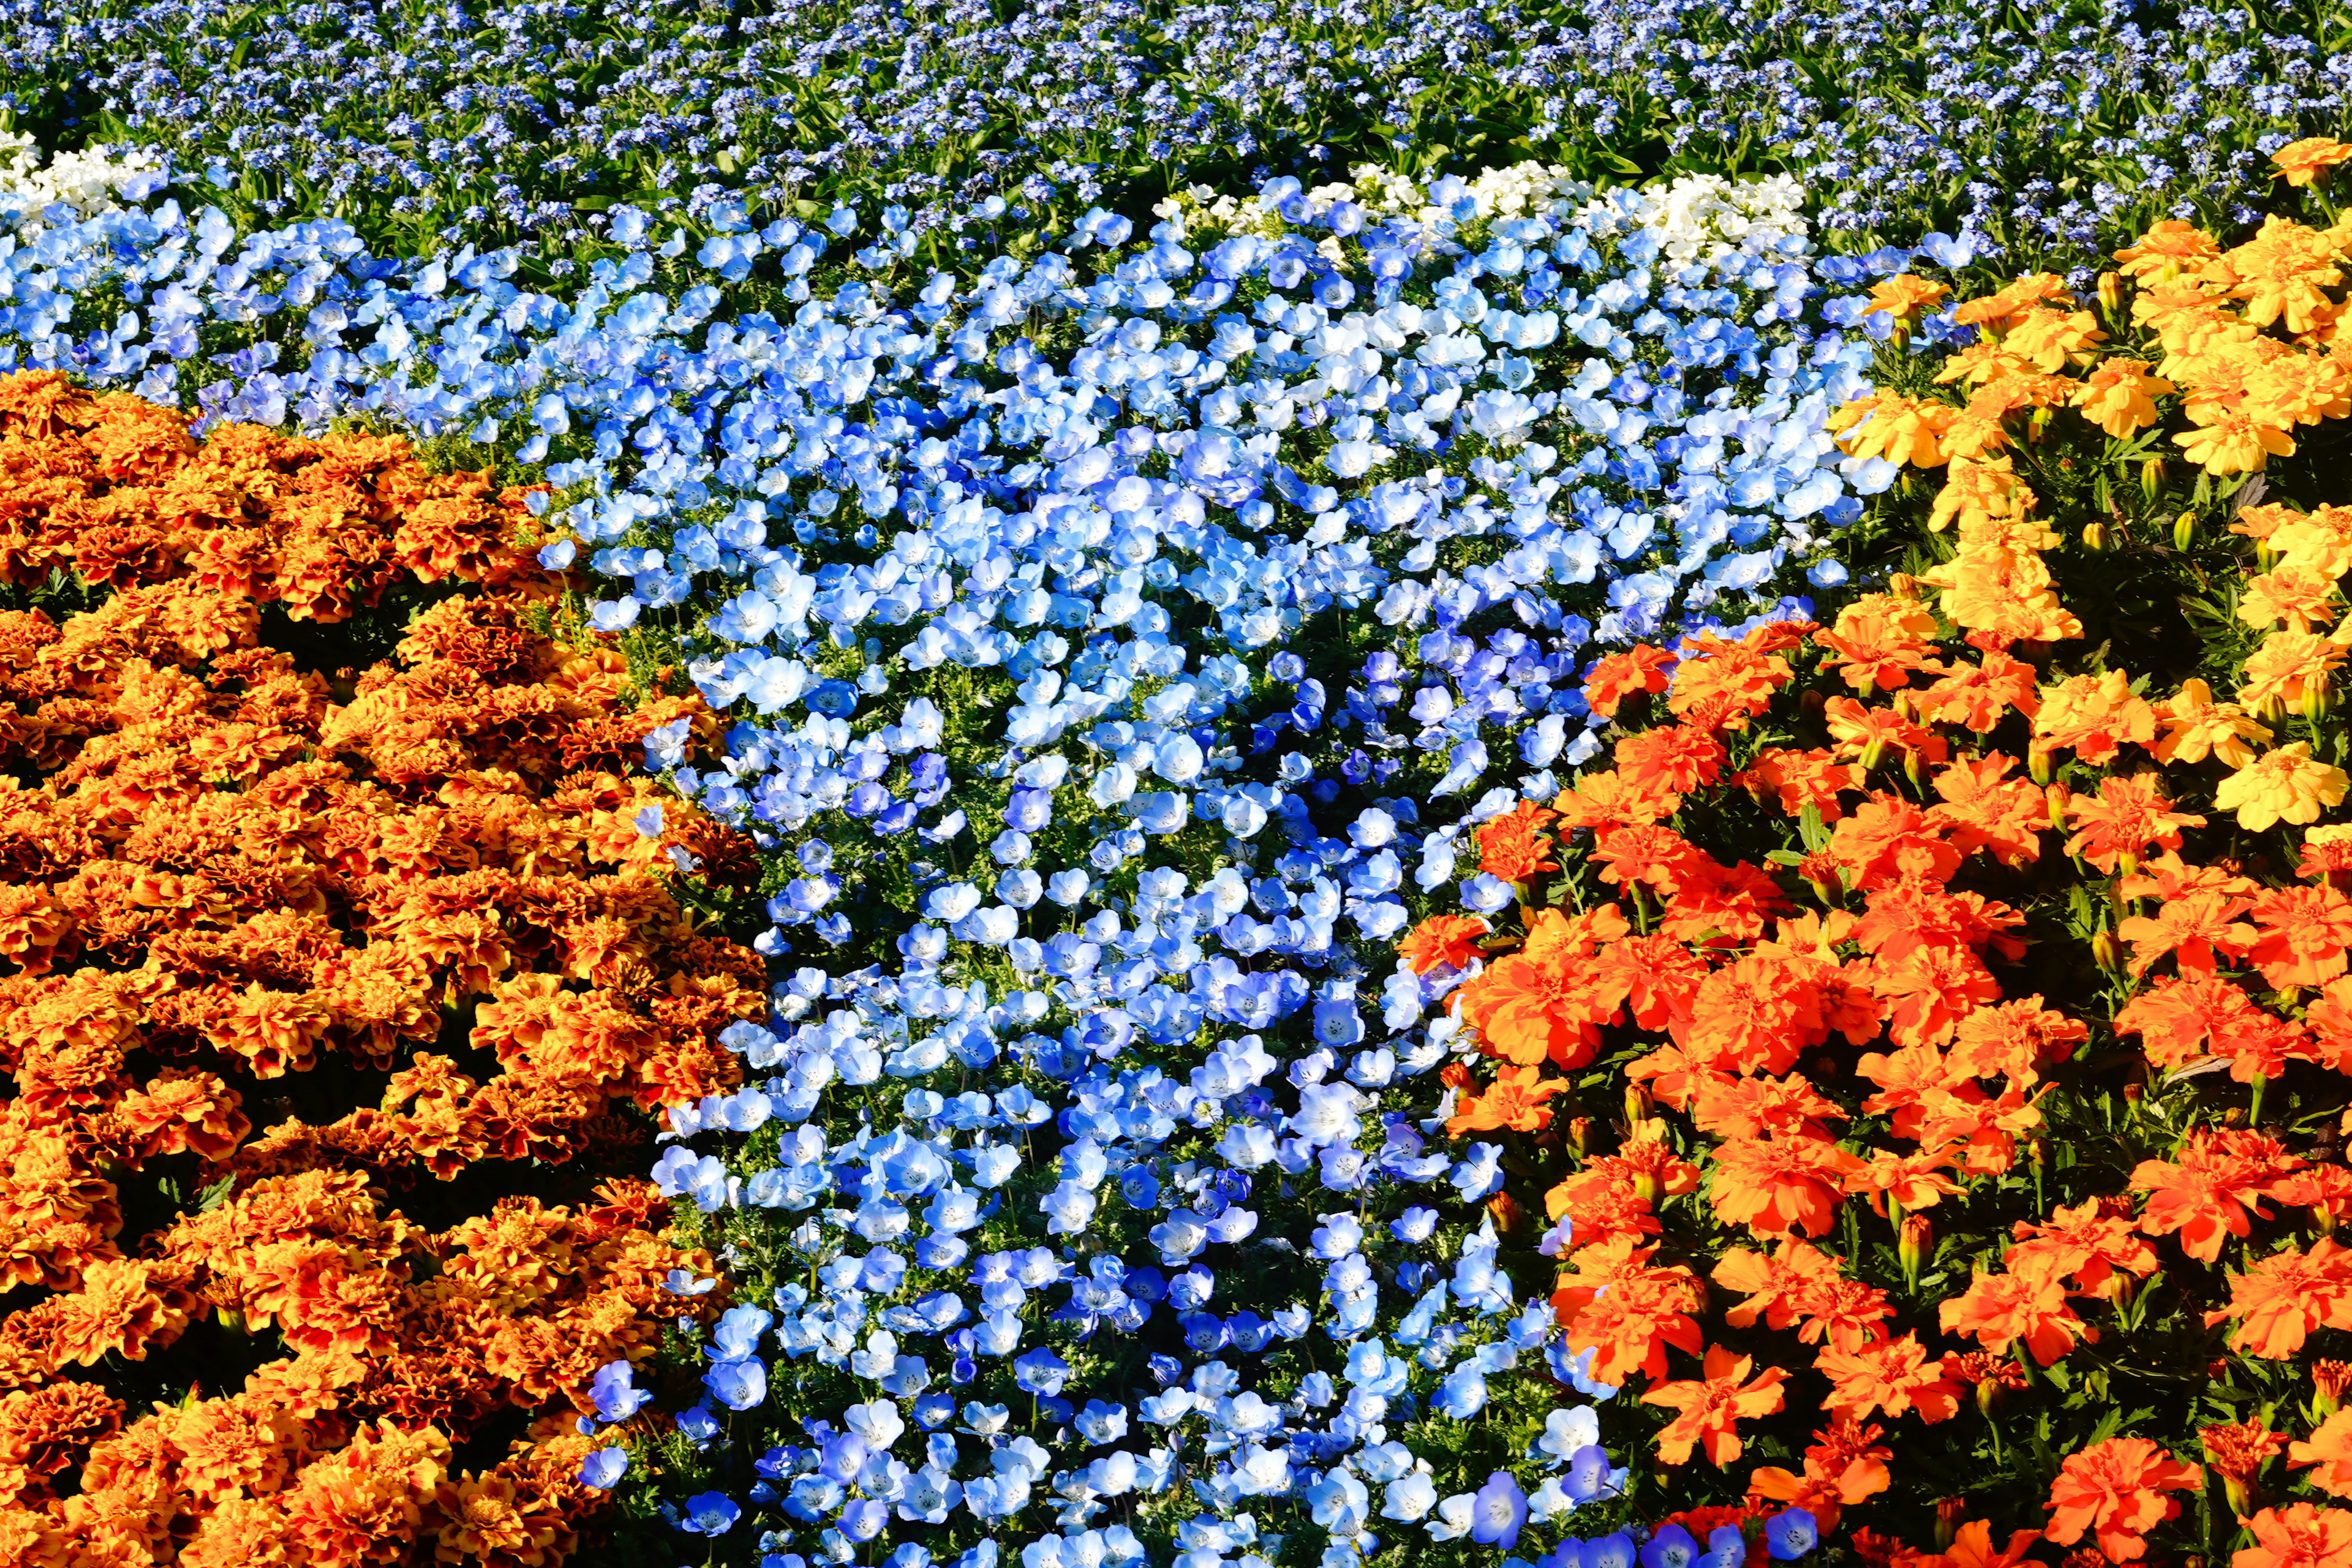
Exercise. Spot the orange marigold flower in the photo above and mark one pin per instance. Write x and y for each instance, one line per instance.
(1514, 1100)
(2280, 1300)
(1903, 296)
(2127, 815)
(2167, 250)
(1890, 1376)
(1621, 675)
(2237, 1451)
(1779, 1186)
(1903, 430)
(1710, 1406)
(2217, 1182)
(1443, 941)
(1627, 1311)
(2301, 1535)
(2310, 160)
(2004, 1310)
(2115, 1493)
(2197, 727)
(2327, 1453)
(1514, 847)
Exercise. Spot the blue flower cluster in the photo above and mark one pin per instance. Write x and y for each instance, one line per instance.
(1089, 1195)
(2056, 134)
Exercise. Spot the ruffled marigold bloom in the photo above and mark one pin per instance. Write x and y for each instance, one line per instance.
(1709, 1408)
(1513, 847)
(1903, 430)
(2287, 783)
(1893, 1377)
(2197, 727)
(2168, 250)
(1621, 675)
(1514, 1100)
(2279, 1300)
(2309, 161)
(1779, 1186)
(1903, 296)
(2120, 395)
(1443, 942)
(2301, 1535)
(2327, 1454)
(2115, 1493)
(2003, 1310)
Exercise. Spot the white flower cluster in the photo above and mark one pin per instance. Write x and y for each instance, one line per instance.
(90, 181)
(1702, 217)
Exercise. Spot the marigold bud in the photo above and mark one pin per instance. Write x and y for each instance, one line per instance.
(2111, 293)
(2184, 529)
(2038, 765)
(2094, 535)
(2106, 952)
(1580, 1134)
(1913, 1244)
(2315, 702)
(2151, 477)
(1637, 1104)
(1949, 1513)
(1506, 1212)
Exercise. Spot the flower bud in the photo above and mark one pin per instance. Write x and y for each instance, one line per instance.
(1579, 1135)
(1911, 1244)
(1637, 1105)
(1873, 754)
(1951, 1510)
(2106, 952)
(1911, 768)
(2184, 529)
(2094, 535)
(2111, 293)
(1507, 1214)
(2151, 477)
(2315, 700)
(2038, 765)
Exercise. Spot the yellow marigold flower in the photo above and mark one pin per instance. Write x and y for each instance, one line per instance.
(2094, 716)
(2195, 727)
(1983, 360)
(2283, 274)
(2003, 593)
(1995, 313)
(2309, 161)
(2287, 785)
(2287, 596)
(2184, 316)
(2119, 397)
(1977, 494)
(2297, 389)
(2318, 541)
(2048, 339)
(2287, 667)
(1900, 429)
(1903, 296)
(2234, 445)
(2167, 251)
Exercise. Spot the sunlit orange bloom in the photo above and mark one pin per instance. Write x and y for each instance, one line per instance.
(2115, 1493)
(1529, 1009)
(1621, 675)
(1927, 992)
(2325, 1190)
(1710, 1406)
(2196, 930)
(1844, 1465)
(1751, 1107)
(1873, 734)
(2318, 541)
(2211, 1189)
(2286, 668)
(2310, 160)
(1606, 799)
(1891, 1376)
(2047, 339)
(2287, 783)
(2015, 1040)
(2003, 1310)
(1887, 838)
(1513, 846)
(1777, 1185)
(2167, 250)
(2327, 1453)
(1996, 310)
(1675, 758)
(2283, 274)
(1975, 696)
(1760, 1013)
(2327, 853)
(2088, 1247)
(1903, 430)
(2127, 817)
(1878, 642)
(1626, 1311)
(2197, 727)
(1721, 685)
(1983, 808)
(1722, 906)
(2233, 444)
(2119, 396)
(2237, 1451)
(2095, 716)
(2287, 596)
(1655, 857)
(1903, 296)
(2280, 1300)
(1654, 978)
(1443, 941)
(1800, 779)
(1972, 1547)
(2301, 1535)
(1514, 1100)
(2306, 932)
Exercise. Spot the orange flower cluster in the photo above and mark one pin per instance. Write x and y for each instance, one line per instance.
(1862, 920)
(283, 943)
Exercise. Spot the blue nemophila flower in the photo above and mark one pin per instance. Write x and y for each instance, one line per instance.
(1791, 1534)
(603, 1468)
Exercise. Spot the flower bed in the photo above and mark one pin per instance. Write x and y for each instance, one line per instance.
(345, 956)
